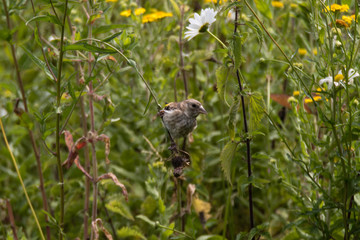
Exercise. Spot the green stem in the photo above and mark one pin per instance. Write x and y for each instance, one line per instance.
(58, 116)
(174, 230)
(217, 39)
(21, 180)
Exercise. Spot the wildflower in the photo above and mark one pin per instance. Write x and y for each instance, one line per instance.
(139, 11)
(125, 13)
(315, 51)
(155, 16)
(296, 93)
(292, 99)
(293, 5)
(200, 23)
(316, 99)
(215, 1)
(302, 51)
(337, 7)
(347, 19)
(277, 4)
(341, 23)
(111, 0)
(338, 79)
(353, 17)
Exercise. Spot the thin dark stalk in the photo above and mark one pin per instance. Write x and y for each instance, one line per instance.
(11, 218)
(181, 44)
(31, 135)
(92, 129)
(103, 200)
(248, 150)
(58, 116)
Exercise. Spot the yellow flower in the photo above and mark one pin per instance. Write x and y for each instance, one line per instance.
(111, 0)
(277, 4)
(215, 1)
(337, 7)
(7, 93)
(341, 23)
(314, 51)
(296, 93)
(302, 51)
(139, 11)
(155, 16)
(126, 13)
(338, 77)
(316, 99)
(353, 17)
(347, 19)
(293, 5)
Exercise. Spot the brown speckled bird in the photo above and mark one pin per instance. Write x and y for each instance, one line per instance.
(180, 117)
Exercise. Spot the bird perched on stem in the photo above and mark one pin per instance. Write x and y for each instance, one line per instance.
(180, 117)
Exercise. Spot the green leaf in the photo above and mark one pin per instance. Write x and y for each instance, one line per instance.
(45, 18)
(148, 104)
(226, 156)
(82, 46)
(120, 208)
(40, 64)
(237, 50)
(263, 8)
(232, 116)
(125, 232)
(146, 219)
(257, 30)
(5, 35)
(107, 28)
(211, 237)
(256, 109)
(175, 7)
(221, 77)
(108, 39)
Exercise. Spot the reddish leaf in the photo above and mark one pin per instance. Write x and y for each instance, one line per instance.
(78, 165)
(73, 150)
(68, 139)
(116, 181)
(99, 223)
(106, 140)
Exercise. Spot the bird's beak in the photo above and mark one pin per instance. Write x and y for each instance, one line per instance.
(202, 110)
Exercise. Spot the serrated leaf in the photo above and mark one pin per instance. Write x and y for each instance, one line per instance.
(83, 46)
(257, 30)
(237, 50)
(226, 156)
(256, 109)
(125, 232)
(263, 8)
(221, 78)
(232, 116)
(120, 208)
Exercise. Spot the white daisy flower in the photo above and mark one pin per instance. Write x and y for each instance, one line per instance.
(338, 79)
(200, 23)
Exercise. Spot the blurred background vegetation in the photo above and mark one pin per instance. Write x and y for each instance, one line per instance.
(300, 190)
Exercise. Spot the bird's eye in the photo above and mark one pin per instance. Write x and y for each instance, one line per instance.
(194, 105)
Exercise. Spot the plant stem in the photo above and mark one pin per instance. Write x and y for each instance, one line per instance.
(248, 150)
(181, 44)
(21, 180)
(31, 135)
(217, 39)
(58, 116)
(174, 230)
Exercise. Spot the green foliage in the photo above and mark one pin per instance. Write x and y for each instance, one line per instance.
(227, 154)
(126, 232)
(256, 109)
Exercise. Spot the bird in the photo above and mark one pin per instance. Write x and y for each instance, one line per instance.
(179, 118)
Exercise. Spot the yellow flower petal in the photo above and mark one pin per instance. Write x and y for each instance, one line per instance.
(302, 51)
(139, 11)
(277, 4)
(126, 13)
(296, 93)
(339, 77)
